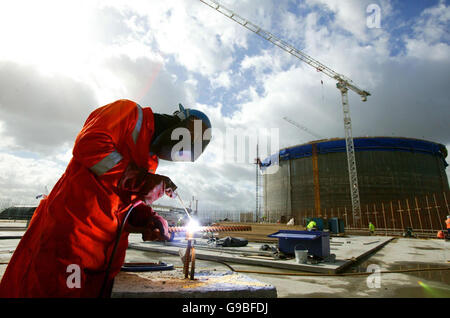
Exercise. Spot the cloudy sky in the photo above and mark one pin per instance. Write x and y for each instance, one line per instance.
(59, 60)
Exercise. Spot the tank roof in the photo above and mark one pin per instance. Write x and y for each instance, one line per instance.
(335, 145)
(380, 138)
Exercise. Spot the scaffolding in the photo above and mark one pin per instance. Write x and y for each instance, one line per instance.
(259, 186)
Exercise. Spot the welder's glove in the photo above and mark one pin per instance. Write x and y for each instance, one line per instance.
(146, 186)
(146, 221)
(158, 230)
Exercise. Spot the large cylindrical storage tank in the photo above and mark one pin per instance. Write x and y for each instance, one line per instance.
(313, 177)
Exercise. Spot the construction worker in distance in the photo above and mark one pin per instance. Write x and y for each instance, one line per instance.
(312, 226)
(180, 221)
(371, 228)
(74, 233)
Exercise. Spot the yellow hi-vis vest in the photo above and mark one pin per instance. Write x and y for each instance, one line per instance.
(311, 225)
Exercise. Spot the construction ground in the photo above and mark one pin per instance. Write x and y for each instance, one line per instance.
(404, 267)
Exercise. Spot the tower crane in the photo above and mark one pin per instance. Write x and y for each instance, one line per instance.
(343, 85)
(302, 128)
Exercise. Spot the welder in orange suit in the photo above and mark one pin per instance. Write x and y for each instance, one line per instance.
(77, 238)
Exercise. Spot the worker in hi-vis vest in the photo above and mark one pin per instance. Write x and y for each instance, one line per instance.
(107, 187)
(312, 226)
(371, 228)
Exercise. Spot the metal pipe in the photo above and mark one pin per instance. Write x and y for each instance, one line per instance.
(192, 274)
(187, 258)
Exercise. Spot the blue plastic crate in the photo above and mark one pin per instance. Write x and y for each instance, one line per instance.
(333, 225)
(320, 224)
(341, 226)
(316, 242)
(336, 225)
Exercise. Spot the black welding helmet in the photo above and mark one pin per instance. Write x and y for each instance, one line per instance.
(183, 136)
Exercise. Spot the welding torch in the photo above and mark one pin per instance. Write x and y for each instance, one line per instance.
(182, 204)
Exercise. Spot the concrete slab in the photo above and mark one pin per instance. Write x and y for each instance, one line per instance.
(430, 251)
(7, 248)
(9, 234)
(172, 284)
(19, 223)
(399, 254)
(347, 251)
(6, 225)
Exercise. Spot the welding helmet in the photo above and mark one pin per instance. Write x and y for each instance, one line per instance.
(186, 139)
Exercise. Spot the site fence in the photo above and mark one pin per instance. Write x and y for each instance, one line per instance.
(424, 215)
(224, 215)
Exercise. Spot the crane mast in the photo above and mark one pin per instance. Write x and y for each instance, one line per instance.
(343, 84)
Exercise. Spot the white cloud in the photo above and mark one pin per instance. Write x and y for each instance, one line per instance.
(433, 22)
(223, 79)
(22, 179)
(430, 40)
(183, 30)
(41, 112)
(352, 15)
(422, 50)
(50, 34)
(271, 60)
(144, 81)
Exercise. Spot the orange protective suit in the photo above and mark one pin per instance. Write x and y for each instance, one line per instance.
(77, 224)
